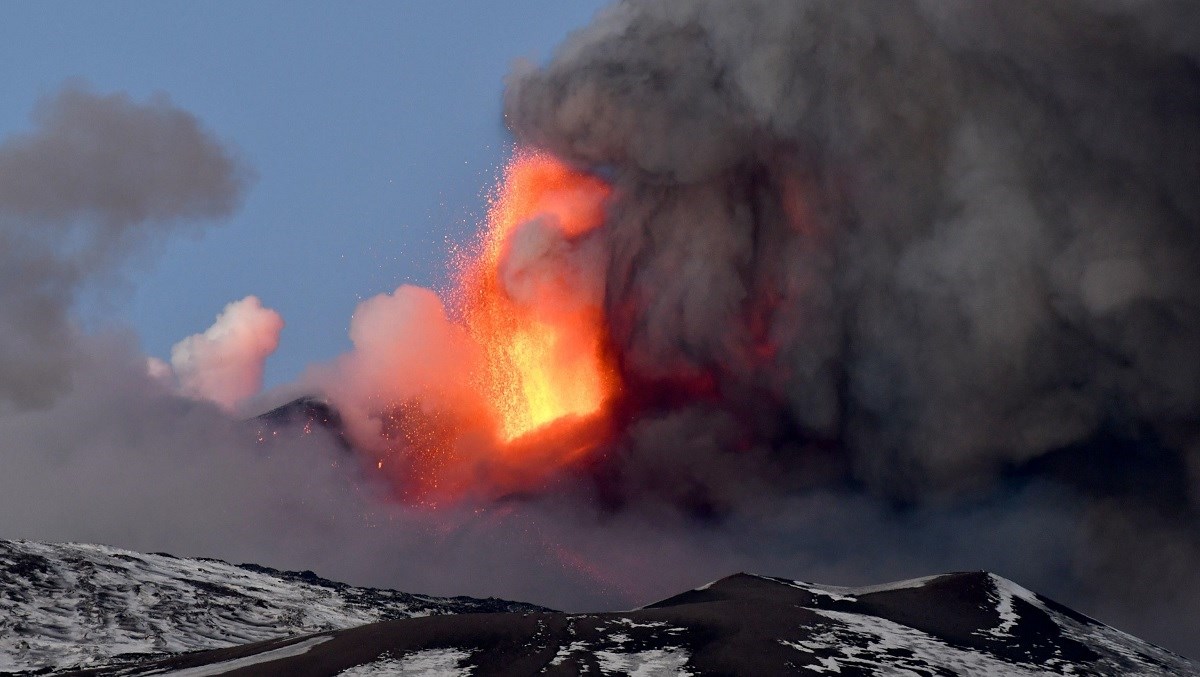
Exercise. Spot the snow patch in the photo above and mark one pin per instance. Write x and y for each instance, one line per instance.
(565, 652)
(652, 663)
(1005, 591)
(825, 665)
(630, 623)
(806, 647)
(424, 663)
(297, 649)
(861, 642)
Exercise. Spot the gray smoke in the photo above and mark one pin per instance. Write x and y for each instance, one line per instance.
(933, 248)
(951, 236)
(99, 179)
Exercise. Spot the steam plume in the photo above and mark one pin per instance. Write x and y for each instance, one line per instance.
(225, 363)
(406, 350)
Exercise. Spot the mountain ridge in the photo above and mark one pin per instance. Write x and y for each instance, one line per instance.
(157, 613)
(75, 604)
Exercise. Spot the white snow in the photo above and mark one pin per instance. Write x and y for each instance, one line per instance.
(1123, 646)
(884, 587)
(1005, 591)
(77, 605)
(825, 665)
(806, 647)
(651, 663)
(863, 641)
(629, 622)
(424, 663)
(610, 652)
(297, 649)
(66, 606)
(565, 652)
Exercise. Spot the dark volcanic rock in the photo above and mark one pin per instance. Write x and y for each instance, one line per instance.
(302, 416)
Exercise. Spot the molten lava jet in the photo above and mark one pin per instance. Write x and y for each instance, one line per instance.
(511, 377)
(528, 300)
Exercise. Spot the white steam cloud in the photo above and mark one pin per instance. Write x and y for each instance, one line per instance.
(406, 350)
(225, 364)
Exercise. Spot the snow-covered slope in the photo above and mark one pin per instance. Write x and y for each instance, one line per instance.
(68, 605)
(100, 608)
(974, 624)
(969, 624)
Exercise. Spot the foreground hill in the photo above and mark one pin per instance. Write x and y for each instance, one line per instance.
(72, 605)
(956, 624)
(104, 611)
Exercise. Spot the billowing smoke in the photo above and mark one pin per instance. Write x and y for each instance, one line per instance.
(225, 364)
(948, 237)
(410, 366)
(936, 250)
(99, 179)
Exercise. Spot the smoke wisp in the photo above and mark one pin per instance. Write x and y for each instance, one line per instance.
(98, 180)
(225, 363)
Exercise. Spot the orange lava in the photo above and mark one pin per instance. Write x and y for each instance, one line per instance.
(526, 303)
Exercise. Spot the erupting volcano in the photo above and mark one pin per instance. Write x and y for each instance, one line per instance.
(841, 291)
(511, 377)
(526, 301)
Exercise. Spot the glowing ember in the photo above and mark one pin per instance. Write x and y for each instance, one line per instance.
(526, 302)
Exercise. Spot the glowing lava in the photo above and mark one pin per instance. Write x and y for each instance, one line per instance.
(528, 300)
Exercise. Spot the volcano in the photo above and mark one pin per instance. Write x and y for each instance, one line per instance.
(303, 415)
(105, 611)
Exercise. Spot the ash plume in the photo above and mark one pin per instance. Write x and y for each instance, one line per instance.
(935, 250)
(98, 180)
(950, 237)
(405, 350)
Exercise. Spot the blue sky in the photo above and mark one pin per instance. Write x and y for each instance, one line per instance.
(374, 128)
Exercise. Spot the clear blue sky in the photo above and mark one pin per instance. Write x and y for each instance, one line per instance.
(374, 128)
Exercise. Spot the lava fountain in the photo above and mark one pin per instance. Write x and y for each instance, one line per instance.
(508, 377)
(528, 300)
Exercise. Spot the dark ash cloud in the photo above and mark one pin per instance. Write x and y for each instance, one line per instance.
(937, 250)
